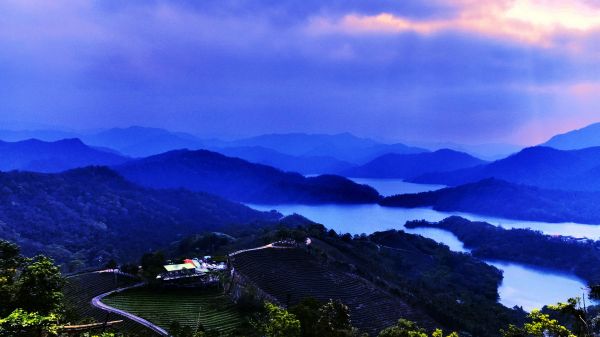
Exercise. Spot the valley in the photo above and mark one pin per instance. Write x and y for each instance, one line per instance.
(168, 202)
(323, 168)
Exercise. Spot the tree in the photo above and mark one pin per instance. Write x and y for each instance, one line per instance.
(541, 325)
(152, 265)
(405, 328)
(129, 268)
(31, 299)
(21, 323)
(10, 260)
(307, 312)
(334, 320)
(280, 323)
(111, 264)
(40, 285)
(576, 314)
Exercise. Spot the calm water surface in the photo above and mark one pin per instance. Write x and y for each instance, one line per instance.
(388, 187)
(523, 285)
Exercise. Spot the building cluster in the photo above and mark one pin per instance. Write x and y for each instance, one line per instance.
(196, 267)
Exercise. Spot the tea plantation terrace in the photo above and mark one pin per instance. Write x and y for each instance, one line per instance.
(286, 276)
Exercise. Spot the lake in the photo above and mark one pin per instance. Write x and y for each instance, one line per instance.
(523, 285)
(389, 187)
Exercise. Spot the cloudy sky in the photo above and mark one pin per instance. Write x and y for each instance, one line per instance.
(465, 70)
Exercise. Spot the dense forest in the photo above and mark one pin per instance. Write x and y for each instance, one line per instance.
(85, 217)
(239, 180)
(503, 199)
(578, 256)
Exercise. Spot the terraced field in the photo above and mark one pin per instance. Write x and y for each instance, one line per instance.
(190, 307)
(292, 274)
(79, 291)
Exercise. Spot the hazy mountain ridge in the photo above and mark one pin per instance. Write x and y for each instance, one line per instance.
(240, 180)
(339, 150)
(485, 151)
(286, 162)
(536, 166)
(142, 141)
(588, 136)
(404, 166)
(343, 146)
(42, 156)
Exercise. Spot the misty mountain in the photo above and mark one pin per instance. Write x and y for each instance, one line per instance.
(588, 136)
(343, 146)
(240, 180)
(406, 166)
(48, 135)
(485, 151)
(286, 162)
(42, 156)
(86, 216)
(499, 198)
(536, 166)
(139, 141)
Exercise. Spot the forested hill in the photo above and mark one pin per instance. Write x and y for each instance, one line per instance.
(456, 290)
(237, 179)
(40, 156)
(86, 216)
(507, 200)
(536, 166)
(581, 257)
(404, 166)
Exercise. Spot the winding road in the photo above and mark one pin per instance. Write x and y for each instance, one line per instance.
(97, 302)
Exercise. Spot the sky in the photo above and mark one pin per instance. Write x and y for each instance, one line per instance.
(470, 71)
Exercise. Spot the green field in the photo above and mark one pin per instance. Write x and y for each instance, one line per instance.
(210, 308)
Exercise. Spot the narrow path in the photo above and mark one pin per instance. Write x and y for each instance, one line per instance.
(97, 302)
(270, 245)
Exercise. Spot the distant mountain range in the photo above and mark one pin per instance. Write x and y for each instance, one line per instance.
(536, 166)
(41, 134)
(133, 141)
(344, 146)
(286, 162)
(588, 136)
(86, 216)
(486, 151)
(240, 180)
(404, 166)
(499, 198)
(41, 156)
(138, 141)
